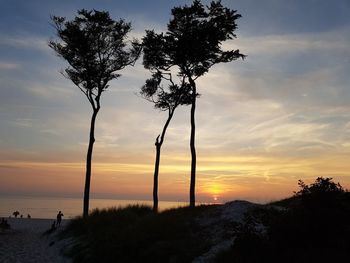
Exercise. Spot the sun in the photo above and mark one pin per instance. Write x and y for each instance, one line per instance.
(215, 191)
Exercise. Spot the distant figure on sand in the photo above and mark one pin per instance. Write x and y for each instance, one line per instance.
(28, 216)
(16, 213)
(59, 218)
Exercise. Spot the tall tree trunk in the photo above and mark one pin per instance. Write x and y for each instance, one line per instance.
(192, 144)
(158, 144)
(88, 164)
(155, 177)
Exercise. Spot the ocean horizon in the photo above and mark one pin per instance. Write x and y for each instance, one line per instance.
(48, 207)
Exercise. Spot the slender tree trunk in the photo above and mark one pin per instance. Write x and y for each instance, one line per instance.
(88, 165)
(192, 145)
(158, 144)
(155, 177)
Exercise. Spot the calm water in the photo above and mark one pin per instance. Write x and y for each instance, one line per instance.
(48, 207)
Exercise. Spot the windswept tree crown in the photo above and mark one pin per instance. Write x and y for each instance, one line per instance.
(95, 47)
(193, 40)
(166, 98)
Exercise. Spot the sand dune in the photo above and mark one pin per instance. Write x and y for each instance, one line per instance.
(25, 242)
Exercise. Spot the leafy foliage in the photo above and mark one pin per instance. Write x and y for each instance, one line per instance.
(193, 40)
(320, 186)
(94, 45)
(190, 47)
(166, 98)
(313, 228)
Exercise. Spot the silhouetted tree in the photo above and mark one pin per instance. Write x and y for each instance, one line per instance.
(312, 226)
(191, 46)
(95, 47)
(320, 186)
(164, 99)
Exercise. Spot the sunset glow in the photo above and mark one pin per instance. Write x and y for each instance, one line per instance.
(281, 115)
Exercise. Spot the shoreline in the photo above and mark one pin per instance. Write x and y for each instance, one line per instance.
(47, 208)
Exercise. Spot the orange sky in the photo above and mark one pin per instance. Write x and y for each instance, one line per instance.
(219, 178)
(281, 115)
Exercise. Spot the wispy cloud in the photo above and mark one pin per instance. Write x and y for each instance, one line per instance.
(285, 44)
(25, 41)
(23, 122)
(9, 66)
(52, 91)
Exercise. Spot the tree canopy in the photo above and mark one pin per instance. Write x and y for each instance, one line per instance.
(94, 45)
(193, 40)
(168, 97)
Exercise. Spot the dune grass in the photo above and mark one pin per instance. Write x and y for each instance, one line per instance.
(137, 234)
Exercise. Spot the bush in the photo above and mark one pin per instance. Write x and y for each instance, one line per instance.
(315, 227)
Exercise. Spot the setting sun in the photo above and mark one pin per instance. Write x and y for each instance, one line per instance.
(215, 189)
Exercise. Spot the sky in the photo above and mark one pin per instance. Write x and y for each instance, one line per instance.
(281, 115)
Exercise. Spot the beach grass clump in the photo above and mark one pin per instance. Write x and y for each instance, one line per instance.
(137, 234)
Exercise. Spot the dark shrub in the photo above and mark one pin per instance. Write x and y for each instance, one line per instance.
(314, 227)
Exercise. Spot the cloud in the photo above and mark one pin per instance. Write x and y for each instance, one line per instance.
(25, 41)
(9, 66)
(334, 41)
(305, 70)
(52, 91)
(257, 109)
(23, 122)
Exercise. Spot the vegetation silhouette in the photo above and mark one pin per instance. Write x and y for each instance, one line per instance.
(191, 46)
(137, 234)
(298, 229)
(95, 47)
(311, 226)
(165, 99)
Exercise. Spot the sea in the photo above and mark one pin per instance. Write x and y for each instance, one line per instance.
(48, 207)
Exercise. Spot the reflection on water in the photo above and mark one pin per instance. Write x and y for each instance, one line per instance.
(48, 207)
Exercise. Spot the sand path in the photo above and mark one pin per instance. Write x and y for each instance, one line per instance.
(25, 242)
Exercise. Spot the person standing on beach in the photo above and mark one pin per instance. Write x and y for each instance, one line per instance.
(59, 218)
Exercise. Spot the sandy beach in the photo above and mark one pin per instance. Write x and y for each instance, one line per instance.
(25, 242)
